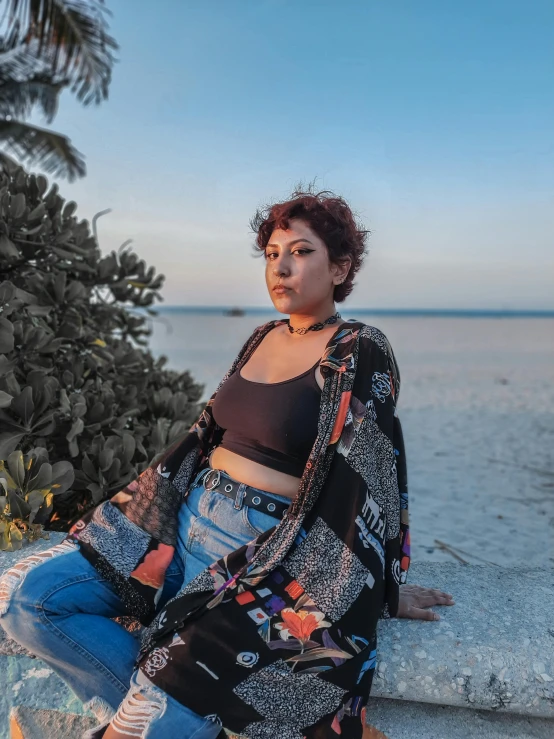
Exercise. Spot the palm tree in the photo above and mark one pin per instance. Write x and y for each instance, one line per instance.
(48, 46)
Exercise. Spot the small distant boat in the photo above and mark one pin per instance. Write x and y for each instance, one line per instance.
(234, 312)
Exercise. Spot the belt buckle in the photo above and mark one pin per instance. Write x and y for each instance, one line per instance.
(214, 482)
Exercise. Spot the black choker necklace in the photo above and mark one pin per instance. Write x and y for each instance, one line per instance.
(314, 327)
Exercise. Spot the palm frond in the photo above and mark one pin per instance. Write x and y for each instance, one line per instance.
(48, 150)
(17, 99)
(72, 37)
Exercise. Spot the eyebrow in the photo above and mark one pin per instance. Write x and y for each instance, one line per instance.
(292, 242)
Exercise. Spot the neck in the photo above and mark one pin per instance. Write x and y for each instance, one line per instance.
(304, 320)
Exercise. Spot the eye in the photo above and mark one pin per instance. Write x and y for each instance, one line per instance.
(270, 254)
(303, 251)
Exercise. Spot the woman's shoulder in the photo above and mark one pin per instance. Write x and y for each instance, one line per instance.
(372, 339)
(368, 336)
(374, 335)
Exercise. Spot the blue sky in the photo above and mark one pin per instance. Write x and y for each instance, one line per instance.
(434, 119)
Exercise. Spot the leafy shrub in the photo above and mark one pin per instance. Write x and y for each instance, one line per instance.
(28, 484)
(78, 385)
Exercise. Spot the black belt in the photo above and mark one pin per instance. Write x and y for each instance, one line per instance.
(244, 494)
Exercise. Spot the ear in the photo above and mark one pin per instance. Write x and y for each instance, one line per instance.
(340, 271)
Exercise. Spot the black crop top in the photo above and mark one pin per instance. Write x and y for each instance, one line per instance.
(274, 424)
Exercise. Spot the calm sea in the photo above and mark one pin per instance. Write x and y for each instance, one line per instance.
(443, 358)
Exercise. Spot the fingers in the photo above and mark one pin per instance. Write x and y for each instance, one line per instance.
(437, 593)
(431, 600)
(420, 597)
(424, 615)
(443, 600)
(433, 596)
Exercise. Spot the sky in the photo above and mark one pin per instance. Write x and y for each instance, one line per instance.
(433, 119)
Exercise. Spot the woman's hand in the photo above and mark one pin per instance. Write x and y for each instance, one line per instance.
(414, 599)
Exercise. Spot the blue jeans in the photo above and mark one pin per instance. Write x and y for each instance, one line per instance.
(63, 609)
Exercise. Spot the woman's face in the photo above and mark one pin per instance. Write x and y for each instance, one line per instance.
(298, 259)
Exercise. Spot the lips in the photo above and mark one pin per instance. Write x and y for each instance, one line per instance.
(280, 288)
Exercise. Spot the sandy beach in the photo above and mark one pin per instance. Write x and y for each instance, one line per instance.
(477, 408)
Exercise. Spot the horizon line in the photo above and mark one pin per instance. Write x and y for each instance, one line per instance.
(500, 312)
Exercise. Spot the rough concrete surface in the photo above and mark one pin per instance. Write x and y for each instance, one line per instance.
(32, 723)
(31, 683)
(493, 649)
(399, 719)
(9, 559)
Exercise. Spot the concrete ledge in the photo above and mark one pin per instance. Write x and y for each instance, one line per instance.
(399, 719)
(396, 719)
(493, 649)
(37, 723)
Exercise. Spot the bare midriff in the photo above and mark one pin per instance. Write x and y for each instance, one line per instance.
(253, 473)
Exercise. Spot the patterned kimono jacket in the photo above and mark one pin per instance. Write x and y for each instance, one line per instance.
(278, 638)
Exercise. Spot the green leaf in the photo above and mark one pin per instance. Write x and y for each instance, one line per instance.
(16, 468)
(5, 399)
(8, 442)
(6, 336)
(105, 459)
(97, 492)
(37, 213)
(7, 248)
(6, 366)
(76, 429)
(7, 292)
(5, 544)
(17, 206)
(35, 500)
(23, 406)
(19, 508)
(129, 446)
(69, 209)
(65, 405)
(42, 184)
(16, 537)
(59, 286)
(42, 478)
(89, 469)
(63, 476)
(39, 310)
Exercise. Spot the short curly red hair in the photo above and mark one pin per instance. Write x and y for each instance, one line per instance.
(330, 217)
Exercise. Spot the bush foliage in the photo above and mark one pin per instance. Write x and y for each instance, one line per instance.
(84, 406)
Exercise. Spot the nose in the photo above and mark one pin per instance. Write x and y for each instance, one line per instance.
(280, 267)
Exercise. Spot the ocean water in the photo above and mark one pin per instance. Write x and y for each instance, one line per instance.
(477, 408)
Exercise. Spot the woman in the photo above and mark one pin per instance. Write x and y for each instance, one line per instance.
(267, 543)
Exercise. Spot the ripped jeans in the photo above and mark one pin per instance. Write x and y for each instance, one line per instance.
(61, 610)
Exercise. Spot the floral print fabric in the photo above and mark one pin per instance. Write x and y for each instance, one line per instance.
(277, 638)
